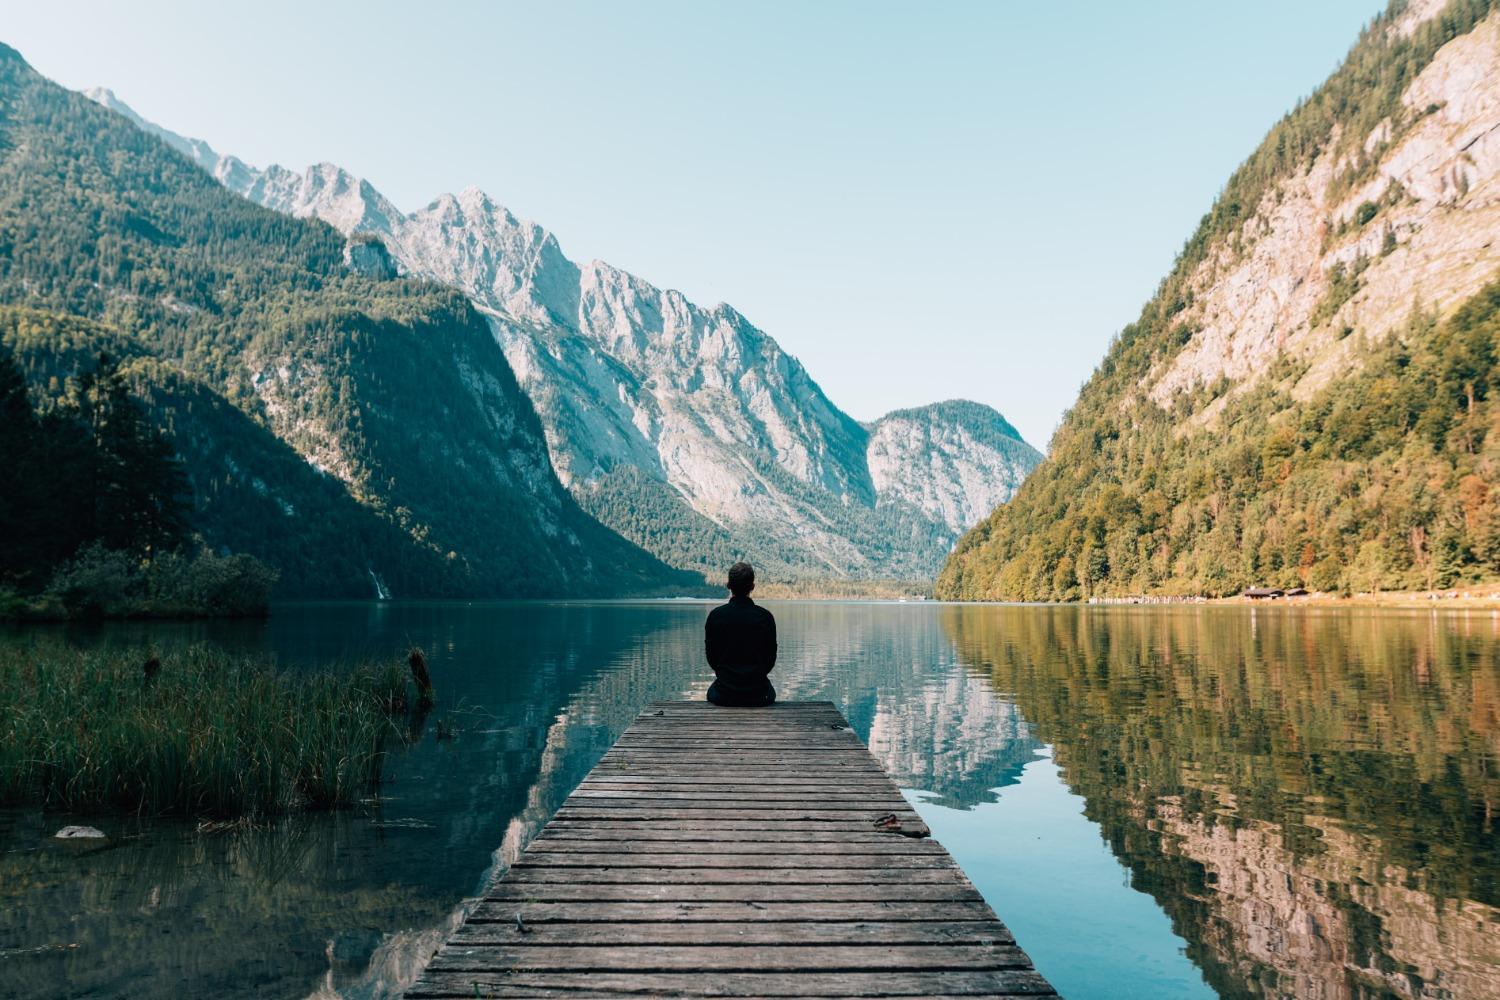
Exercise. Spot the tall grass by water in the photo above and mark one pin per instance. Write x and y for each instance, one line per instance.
(198, 731)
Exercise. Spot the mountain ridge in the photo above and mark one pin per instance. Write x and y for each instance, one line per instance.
(319, 410)
(625, 374)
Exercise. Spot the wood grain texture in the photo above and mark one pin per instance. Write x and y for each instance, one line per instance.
(733, 853)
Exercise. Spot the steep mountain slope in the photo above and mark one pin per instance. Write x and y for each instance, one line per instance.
(954, 460)
(1306, 398)
(251, 329)
(687, 429)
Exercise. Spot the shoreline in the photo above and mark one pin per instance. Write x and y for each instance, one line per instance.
(1484, 597)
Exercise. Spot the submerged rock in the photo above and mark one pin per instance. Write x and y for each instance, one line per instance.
(80, 833)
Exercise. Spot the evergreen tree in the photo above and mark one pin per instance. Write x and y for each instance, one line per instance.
(91, 471)
(136, 485)
(18, 440)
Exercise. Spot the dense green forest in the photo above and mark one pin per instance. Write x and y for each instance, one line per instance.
(89, 470)
(1381, 481)
(340, 426)
(97, 508)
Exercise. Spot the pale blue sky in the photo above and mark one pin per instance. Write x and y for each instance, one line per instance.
(919, 201)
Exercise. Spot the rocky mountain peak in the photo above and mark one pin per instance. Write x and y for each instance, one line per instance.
(731, 440)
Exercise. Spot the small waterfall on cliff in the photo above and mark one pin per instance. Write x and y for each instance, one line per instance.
(381, 593)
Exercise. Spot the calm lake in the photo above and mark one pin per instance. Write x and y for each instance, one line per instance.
(1160, 802)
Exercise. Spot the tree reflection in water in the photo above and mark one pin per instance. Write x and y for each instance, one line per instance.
(1310, 796)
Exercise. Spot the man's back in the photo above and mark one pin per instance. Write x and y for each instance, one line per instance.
(739, 639)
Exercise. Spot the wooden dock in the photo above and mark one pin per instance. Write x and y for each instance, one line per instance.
(733, 853)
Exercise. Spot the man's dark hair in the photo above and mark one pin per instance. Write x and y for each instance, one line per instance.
(741, 579)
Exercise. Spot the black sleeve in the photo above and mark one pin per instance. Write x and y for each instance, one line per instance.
(710, 650)
(770, 641)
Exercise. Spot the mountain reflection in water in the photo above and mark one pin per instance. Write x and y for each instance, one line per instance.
(1306, 797)
(1309, 796)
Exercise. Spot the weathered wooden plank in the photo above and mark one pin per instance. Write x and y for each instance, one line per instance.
(642, 958)
(738, 933)
(561, 859)
(760, 823)
(672, 772)
(707, 751)
(742, 803)
(680, 705)
(738, 773)
(773, 795)
(730, 759)
(733, 853)
(622, 787)
(504, 911)
(730, 806)
(694, 778)
(674, 736)
(750, 730)
(670, 842)
(652, 841)
(699, 711)
(664, 776)
(718, 822)
(831, 740)
(603, 874)
(809, 831)
(729, 765)
(778, 764)
(544, 893)
(650, 814)
(797, 734)
(671, 805)
(740, 760)
(890, 795)
(885, 983)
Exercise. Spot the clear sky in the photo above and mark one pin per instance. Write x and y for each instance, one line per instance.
(920, 201)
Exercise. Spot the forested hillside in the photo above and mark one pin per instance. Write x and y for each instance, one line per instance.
(1306, 399)
(342, 426)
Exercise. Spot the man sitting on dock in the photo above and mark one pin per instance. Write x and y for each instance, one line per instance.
(740, 640)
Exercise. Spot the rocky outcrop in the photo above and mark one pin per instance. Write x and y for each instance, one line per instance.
(1422, 230)
(368, 256)
(955, 461)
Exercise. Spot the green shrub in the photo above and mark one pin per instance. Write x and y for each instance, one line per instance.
(104, 583)
(236, 586)
(98, 583)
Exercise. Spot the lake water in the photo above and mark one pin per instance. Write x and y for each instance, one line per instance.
(1160, 802)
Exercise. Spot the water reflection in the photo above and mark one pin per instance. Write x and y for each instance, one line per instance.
(351, 905)
(1310, 797)
(1304, 802)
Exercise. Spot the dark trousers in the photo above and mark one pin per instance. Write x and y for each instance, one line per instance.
(720, 695)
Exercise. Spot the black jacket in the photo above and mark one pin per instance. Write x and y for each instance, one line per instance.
(739, 639)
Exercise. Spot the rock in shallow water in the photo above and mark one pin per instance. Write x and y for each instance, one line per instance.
(80, 833)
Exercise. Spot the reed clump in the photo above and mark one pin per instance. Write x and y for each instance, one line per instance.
(199, 731)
